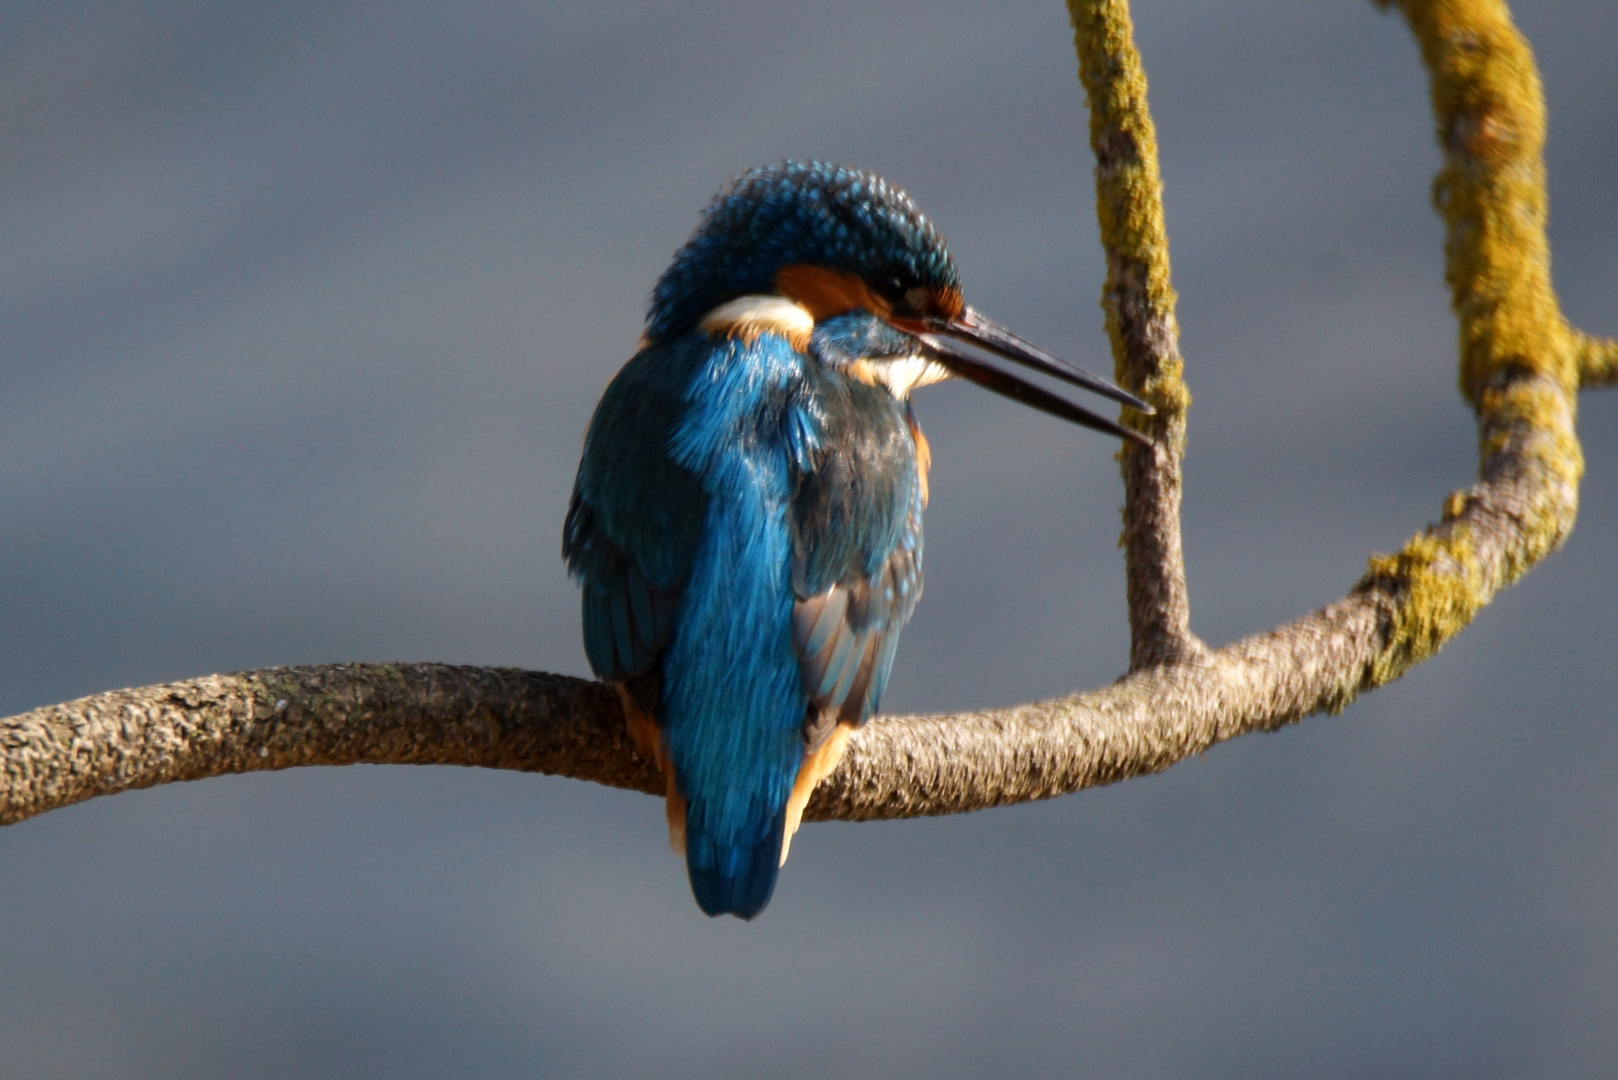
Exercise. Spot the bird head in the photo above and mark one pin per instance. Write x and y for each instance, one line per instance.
(868, 278)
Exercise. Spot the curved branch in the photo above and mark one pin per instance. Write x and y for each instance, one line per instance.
(1521, 366)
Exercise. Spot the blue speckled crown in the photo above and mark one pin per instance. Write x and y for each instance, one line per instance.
(796, 212)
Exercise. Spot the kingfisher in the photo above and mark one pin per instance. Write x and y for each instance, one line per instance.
(746, 521)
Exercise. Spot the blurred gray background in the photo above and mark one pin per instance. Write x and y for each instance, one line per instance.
(303, 310)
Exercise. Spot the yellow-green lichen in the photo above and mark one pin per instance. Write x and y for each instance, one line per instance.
(1489, 108)
(1129, 204)
(1490, 113)
(1598, 360)
(1439, 589)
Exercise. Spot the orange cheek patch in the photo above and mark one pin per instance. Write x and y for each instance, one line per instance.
(948, 302)
(826, 293)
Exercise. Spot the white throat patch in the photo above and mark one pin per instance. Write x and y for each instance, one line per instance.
(903, 374)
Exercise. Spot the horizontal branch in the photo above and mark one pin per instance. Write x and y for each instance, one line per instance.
(339, 714)
(433, 714)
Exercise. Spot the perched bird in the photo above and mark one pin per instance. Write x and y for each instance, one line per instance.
(746, 522)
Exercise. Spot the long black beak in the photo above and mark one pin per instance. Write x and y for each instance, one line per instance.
(941, 335)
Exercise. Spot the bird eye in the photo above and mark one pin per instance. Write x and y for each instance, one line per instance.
(889, 288)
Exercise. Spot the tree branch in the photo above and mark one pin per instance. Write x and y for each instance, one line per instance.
(341, 714)
(1521, 365)
(1139, 302)
(1598, 361)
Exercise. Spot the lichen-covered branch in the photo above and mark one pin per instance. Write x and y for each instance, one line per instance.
(1521, 366)
(1139, 303)
(1519, 358)
(1598, 361)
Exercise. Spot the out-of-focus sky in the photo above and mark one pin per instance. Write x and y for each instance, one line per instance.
(303, 310)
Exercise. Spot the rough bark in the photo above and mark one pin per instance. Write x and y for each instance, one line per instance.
(1138, 300)
(1521, 368)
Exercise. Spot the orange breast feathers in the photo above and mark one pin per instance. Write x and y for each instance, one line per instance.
(817, 765)
(924, 456)
(648, 740)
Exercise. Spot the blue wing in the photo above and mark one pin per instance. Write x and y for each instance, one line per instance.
(679, 533)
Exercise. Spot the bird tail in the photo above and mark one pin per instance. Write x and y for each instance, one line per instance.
(735, 878)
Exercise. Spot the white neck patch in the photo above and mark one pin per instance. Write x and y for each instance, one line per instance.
(747, 317)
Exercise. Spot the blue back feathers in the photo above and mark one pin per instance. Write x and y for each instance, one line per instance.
(746, 522)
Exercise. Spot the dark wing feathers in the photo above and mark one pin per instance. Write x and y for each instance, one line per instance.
(631, 533)
(846, 636)
(857, 548)
(627, 620)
